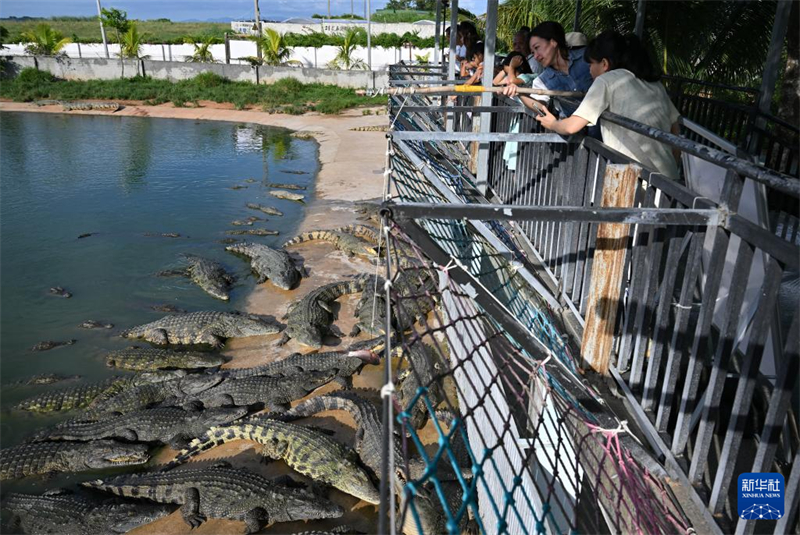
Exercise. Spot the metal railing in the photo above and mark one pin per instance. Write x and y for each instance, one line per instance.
(706, 338)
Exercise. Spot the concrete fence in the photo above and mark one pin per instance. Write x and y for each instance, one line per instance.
(110, 69)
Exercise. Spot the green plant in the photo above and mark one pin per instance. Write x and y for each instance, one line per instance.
(131, 43)
(44, 41)
(3, 37)
(422, 59)
(209, 79)
(273, 47)
(117, 20)
(345, 52)
(202, 51)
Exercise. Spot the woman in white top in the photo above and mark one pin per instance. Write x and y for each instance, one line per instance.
(625, 83)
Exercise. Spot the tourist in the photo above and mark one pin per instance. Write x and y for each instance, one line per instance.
(515, 70)
(627, 84)
(473, 65)
(564, 70)
(521, 44)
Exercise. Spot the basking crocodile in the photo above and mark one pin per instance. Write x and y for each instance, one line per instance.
(165, 425)
(205, 327)
(308, 451)
(102, 106)
(210, 276)
(47, 345)
(369, 430)
(269, 210)
(222, 492)
(344, 241)
(288, 196)
(151, 394)
(309, 319)
(151, 358)
(48, 457)
(268, 263)
(370, 234)
(423, 366)
(343, 363)
(286, 186)
(80, 396)
(274, 392)
(372, 128)
(370, 311)
(60, 511)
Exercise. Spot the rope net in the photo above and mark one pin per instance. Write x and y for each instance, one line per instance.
(508, 440)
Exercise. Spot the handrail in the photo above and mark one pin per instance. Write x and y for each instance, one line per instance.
(681, 79)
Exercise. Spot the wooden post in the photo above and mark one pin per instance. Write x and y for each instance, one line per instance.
(619, 188)
(227, 48)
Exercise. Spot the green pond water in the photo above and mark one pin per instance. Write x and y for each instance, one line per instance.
(121, 177)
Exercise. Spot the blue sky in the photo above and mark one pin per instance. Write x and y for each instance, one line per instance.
(196, 9)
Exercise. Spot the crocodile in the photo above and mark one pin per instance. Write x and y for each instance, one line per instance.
(165, 425)
(43, 379)
(286, 186)
(369, 430)
(412, 296)
(172, 309)
(205, 327)
(151, 358)
(80, 396)
(269, 210)
(343, 363)
(250, 180)
(58, 291)
(309, 319)
(368, 233)
(375, 128)
(252, 232)
(308, 451)
(237, 186)
(48, 457)
(59, 511)
(288, 196)
(93, 324)
(344, 241)
(210, 276)
(274, 392)
(102, 106)
(151, 394)
(47, 345)
(242, 223)
(223, 492)
(48, 102)
(87, 234)
(162, 235)
(370, 311)
(268, 263)
(423, 366)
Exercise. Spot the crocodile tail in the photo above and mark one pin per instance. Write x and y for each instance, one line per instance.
(325, 235)
(215, 436)
(313, 406)
(125, 486)
(362, 231)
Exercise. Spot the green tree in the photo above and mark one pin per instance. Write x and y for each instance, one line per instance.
(44, 41)
(3, 37)
(131, 43)
(117, 20)
(345, 59)
(273, 47)
(202, 51)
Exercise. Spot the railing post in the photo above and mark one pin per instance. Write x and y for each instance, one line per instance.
(640, 14)
(227, 48)
(451, 64)
(619, 189)
(437, 34)
(486, 98)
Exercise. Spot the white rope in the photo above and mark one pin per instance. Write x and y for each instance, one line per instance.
(387, 390)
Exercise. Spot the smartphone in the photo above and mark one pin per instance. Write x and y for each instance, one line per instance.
(540, 111)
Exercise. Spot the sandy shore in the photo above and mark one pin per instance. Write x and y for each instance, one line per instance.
(352, 164)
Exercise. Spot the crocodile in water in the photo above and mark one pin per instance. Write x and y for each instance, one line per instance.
(268, 263)
(308, 451)
(288, 196)
(210, 276)
(344, 241)
(50, 344)
(269, 210)
(223, 492)
(152, 358)
(93, 324)
(205, 327)
(60, 511)
(309, 319)
(49, 457)
(252, 232)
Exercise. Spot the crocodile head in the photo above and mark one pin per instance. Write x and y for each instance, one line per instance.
(357, 483)
(201, 360)
(109, 453)
(308, 335)
(194, 384)
(222, 415)
(306, 505)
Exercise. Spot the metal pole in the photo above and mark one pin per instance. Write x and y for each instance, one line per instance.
(576, 24)
(102, 29)
(227, 48)
(451, 66)
(774, 56)
(369, 35)
(437, 36)
(258, 30)
(352, 11)
(640, 10)
(486, 99)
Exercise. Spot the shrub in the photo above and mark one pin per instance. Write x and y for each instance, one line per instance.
(209, 79)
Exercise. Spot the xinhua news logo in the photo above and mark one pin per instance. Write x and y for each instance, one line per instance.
(761, 496)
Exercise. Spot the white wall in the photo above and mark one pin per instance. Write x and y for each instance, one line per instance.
(381, 57)
(424, 28)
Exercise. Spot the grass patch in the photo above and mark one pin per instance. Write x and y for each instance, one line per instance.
(285, 96)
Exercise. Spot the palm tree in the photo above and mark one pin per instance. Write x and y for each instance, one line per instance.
(131, 43)
(202, 51)
(44, 41)
(273, 47)
(344, 56)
